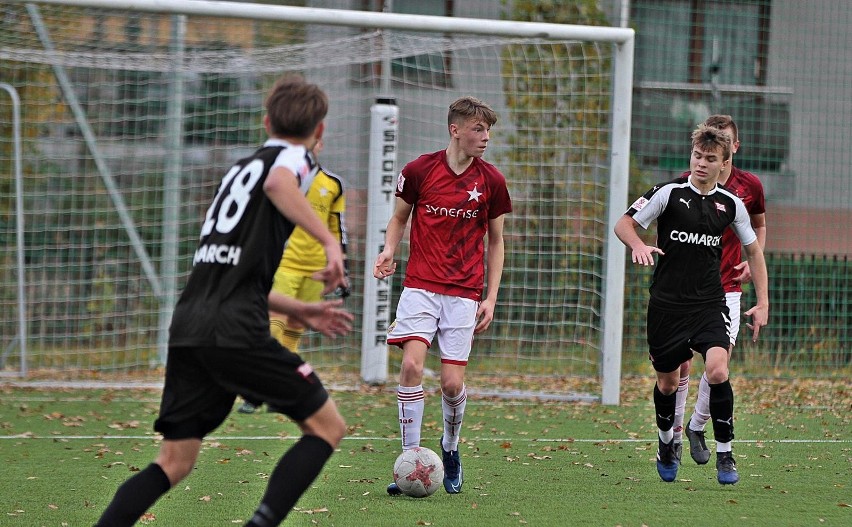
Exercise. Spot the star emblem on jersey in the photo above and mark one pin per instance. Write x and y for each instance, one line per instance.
(474, 194)
(720, 207)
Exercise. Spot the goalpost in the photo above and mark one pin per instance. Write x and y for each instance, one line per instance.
(140, 104)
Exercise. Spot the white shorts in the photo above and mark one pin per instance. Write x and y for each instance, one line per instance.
(420, 315)
(733, 301)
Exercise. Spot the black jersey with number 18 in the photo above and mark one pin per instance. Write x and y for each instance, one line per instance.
(225, 301)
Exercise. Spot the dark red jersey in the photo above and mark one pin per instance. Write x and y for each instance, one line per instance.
(449, 221)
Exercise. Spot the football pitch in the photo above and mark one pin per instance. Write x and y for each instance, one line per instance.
(526, 462)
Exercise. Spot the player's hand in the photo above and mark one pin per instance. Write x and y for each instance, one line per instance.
(644, 255)
(759, 318)
(745, 273)
(334, 273)
(332, 278)
(326, 317)
(484, 315)
(384, 266)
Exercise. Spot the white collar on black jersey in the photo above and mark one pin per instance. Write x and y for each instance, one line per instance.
(273, 141)
(694, 188)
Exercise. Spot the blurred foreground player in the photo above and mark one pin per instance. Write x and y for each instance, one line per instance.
(220, 345)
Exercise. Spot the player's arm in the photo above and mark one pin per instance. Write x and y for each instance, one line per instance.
(338, 228)
(385, 266)
(760, 312)
(324, 316)
(336, 212)
(625, 229)
(495, 258)
(758, 223)
(335, 225)
(282, 188)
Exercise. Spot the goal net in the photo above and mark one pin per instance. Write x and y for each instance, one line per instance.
(130, 118)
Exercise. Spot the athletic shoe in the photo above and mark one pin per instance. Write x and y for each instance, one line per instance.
(697, 446)
(453, 476)
(394, 490)
(667, 461)
(726, 468)
(247, 408)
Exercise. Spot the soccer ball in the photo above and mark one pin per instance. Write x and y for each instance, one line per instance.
(418, 472)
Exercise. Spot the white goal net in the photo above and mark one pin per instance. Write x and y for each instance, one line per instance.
(130, 118)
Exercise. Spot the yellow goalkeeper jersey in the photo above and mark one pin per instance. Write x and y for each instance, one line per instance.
(303, 253)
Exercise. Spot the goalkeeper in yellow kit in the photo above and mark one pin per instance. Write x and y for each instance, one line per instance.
(303, 256)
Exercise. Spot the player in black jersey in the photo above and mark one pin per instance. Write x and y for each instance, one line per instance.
(687, 309)
(220, 345)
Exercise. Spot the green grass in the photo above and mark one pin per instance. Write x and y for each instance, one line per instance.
(64, 452)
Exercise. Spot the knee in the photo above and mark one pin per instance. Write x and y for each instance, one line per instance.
(716, 375)
(333, 431)
(667, 386)
(411, 372)
(327, 424)
(175, 469)
(451, 387)
(338, 431)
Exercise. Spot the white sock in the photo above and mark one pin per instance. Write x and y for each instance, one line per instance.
(680, 407)
(410, 401)
(701, 413)
(453, 410)
(666, 436)
(723, 447)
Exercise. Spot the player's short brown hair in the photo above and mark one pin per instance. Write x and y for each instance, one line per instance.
(468, 107)
(722, 122)
(708, 138)
(295, 107)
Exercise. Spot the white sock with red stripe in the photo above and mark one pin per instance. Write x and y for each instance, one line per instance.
(701, 413)
(411, 401)
(453, 410)
(680, 407)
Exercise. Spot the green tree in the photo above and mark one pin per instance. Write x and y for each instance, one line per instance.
(559, 106)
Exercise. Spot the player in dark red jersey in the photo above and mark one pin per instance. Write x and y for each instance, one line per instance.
(219, 343)
(455, 200)
(687, 309)
(735, 273)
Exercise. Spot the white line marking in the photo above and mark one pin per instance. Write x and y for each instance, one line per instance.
(390, 439)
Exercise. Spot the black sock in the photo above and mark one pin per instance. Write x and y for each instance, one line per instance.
(664, 406)
(291, 477)
(134, 496)
(722, 411)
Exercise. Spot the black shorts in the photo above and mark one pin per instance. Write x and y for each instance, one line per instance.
(202, 384)
(674, 335)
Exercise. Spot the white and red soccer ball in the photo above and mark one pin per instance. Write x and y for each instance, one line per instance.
(418, 472)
